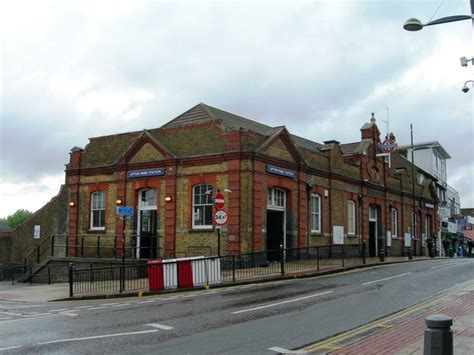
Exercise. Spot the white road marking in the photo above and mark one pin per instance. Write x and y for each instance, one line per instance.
(59, 310)
(6, 318)
(98, 337)
(121, 305)
(169, 298)
(12, 314)
(387, 278)
(160, 326)
(283, 302)
(81, 307)
(447, 265)
(11, 347)
(92, 308)
(30, 318)
(279, 350)
(69, 314)
(141, 302)
(15, 306)
(107, 304)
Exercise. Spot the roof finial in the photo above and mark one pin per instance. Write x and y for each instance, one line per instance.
(372, 119)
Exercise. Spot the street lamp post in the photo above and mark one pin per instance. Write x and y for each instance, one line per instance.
(413, 24)
(413, 215)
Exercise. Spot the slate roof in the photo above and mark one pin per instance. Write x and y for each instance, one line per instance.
(107, 150)
(356, 147)
(5, 228)
(202, 113)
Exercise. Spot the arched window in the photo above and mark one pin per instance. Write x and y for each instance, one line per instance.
(97, 210)
(202, 206)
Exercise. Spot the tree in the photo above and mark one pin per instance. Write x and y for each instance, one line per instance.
(17, 218)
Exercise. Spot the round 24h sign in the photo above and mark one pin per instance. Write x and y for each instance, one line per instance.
(220, 217)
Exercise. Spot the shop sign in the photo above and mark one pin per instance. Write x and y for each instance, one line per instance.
(444, 213)
(146, 173)
(281, 171)
(452, 227)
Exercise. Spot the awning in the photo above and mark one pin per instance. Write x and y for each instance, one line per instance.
(469, 234)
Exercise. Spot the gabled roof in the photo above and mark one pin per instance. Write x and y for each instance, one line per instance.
(202, 113)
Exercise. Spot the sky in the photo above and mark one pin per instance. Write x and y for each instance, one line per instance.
(71, 70)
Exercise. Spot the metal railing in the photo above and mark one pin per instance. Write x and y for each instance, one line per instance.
(231, 268)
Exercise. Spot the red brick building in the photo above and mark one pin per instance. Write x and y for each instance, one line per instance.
(279, 189)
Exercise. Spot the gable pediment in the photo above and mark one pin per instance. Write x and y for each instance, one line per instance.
(279, 150)
(147, 153)
(146, 149)
(280, 145)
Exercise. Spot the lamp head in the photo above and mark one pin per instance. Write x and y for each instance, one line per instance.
(413, 24)
(465, 88)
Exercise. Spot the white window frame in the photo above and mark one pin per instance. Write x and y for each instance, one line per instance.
(394, 222)
(202, 191)
(414, 222)
(315, 215)
(276, 199)
(97, 205)
(351, 218)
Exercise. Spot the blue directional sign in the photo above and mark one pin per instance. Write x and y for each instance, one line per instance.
(124, 211)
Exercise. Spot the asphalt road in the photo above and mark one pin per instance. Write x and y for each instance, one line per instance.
(234, 320)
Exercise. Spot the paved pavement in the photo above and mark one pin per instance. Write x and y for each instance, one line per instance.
(20, 292)
(400, 333)
(403, 332)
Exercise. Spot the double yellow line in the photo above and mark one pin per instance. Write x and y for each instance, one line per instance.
(343, 339)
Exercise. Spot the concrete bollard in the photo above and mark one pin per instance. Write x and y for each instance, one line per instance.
(438, 335)
(382, 255)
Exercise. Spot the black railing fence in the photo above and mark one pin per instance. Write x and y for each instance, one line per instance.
(206, 270)
(105, 246)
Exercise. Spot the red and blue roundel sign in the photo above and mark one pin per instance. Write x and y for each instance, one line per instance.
(388, 145)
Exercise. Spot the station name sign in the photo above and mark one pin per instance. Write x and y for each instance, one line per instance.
(281, 171)
(146, 173)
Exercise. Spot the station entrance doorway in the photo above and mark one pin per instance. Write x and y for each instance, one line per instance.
(147, 225)
(276, 221)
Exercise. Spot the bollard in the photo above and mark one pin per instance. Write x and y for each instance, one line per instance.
(382, 255)
(438, 335)
(410, 254)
